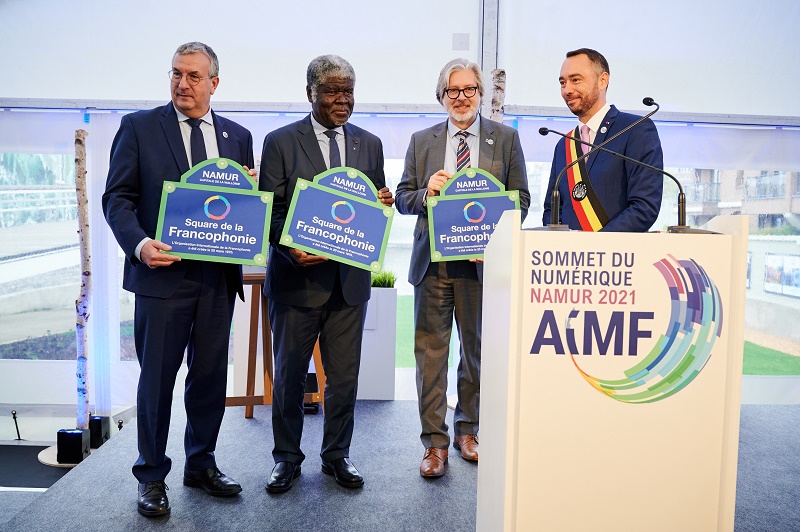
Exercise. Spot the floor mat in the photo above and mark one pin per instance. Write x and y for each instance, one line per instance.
(20, 468)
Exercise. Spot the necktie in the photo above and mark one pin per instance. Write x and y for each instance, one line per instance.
(335, 157)
(196, 143)
(462, 152)
(585, 138)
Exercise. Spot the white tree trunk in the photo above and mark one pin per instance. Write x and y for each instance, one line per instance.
(84, 300)
(498, 94)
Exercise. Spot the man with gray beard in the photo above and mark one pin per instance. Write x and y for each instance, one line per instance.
(444, 288)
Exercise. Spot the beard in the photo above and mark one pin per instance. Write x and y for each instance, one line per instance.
(463, 114)
(586, 102)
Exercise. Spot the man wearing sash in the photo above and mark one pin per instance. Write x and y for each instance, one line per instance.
(181, 305)
(442, 289)
(310, 296)
(603, 192)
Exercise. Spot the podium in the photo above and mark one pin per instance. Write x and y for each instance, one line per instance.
(611, 379)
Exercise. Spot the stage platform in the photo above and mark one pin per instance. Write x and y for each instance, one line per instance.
(100, 494)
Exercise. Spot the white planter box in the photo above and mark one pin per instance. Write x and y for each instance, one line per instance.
(376, 377)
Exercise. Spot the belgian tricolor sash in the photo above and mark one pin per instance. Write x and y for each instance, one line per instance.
(587, 207)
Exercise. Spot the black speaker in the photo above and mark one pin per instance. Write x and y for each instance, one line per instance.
(100, 430)
(72, 446)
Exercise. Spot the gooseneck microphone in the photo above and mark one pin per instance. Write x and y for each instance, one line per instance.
(555, 207)
(681, 195)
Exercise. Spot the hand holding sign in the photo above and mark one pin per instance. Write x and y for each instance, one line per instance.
(463, 215)
(339, 216)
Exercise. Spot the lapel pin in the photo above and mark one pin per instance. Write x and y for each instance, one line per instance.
(224, 134)
(603, 129)
(489, 141)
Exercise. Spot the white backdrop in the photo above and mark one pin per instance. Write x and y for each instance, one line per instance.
(717, 56)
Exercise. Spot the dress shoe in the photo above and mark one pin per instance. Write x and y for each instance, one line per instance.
(344, 472)
(282, 475)
(153, 501)
(468, 445)
(433, 462)
(212, 481)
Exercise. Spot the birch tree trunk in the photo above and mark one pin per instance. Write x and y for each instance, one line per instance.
(84, 300)
(498, 94)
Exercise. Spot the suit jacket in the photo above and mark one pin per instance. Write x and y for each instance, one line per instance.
(291, 153)
(503, 158)
(629, 193)
(148, 150)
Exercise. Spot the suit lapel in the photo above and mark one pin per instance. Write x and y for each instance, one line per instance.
(352, 147)
(487, 145)
(308, 141)
(605, 130)
(223, 142)
(438, 147)
(169, 123)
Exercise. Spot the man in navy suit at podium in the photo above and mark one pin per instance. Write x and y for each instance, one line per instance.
(603, 192)
(180, 305)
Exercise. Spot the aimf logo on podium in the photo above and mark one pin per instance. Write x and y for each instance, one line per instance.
(675, 359)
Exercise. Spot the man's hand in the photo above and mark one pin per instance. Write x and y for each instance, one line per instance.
(252, 172)
(151, 254)
(385, 195)
(305, 259)
(437, 181)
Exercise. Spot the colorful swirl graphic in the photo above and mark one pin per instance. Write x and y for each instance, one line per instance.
(681, 353)
(340, 220)
(227, 207)
(474, 220)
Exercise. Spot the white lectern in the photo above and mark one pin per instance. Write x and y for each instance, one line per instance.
(611, 379)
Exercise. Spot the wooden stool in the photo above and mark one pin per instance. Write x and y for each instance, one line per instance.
(258, 304)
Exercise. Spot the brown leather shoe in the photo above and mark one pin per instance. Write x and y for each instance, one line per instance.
(468, 445)
(433, 462)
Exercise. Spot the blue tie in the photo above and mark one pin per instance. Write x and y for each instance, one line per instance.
(335, 157)
(197, 144)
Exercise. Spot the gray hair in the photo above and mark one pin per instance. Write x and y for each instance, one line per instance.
(200, 48)
(457, 65)
(321, 68)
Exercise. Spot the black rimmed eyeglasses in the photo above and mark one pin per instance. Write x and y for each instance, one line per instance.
(469, 92)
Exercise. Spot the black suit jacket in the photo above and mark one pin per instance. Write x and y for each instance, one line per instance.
(148, 150)
(291, 153)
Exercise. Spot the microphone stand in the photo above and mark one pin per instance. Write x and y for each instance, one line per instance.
(681, 227)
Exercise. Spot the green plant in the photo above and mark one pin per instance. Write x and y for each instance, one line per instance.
(383, 279)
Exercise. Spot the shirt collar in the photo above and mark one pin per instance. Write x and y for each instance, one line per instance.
(207, 118)
(319, 129)
(597, 119)
(474, 129)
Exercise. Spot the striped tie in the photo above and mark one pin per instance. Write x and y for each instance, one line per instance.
(462, 152)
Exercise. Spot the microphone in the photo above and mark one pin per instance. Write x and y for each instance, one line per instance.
(681, 196)
(556, 201)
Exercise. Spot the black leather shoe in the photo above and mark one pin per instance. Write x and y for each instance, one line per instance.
(153, 501)
(344, 472)
(282, 475)
(212, 481)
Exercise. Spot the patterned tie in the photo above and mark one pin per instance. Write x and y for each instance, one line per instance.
(585, 138)
(335, 157)
(197, 144)
(462, 152)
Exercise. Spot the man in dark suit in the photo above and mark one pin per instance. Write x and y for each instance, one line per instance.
(310, 296)
(604, 192)
(180, 305)
(444, 288)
